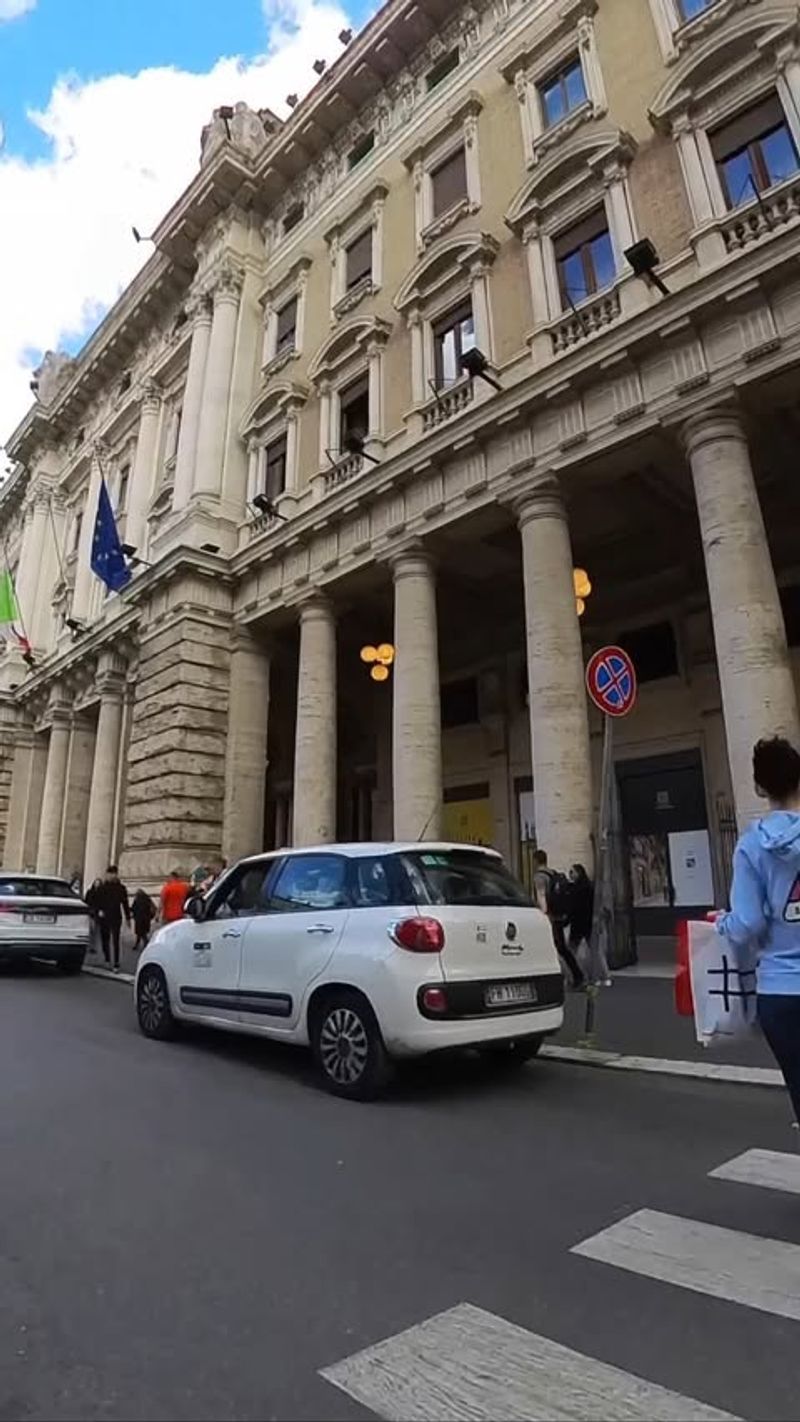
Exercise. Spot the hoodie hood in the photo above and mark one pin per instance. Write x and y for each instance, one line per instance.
(779, 833)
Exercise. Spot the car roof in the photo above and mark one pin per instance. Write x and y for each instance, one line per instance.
(31, 874)
(369, 849)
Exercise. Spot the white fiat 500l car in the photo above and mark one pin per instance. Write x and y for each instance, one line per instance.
(364, 951)
(42, 917)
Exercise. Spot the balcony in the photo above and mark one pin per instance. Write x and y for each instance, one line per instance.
(587, 320)
(447, 404)
(776, 209)
(345, 470)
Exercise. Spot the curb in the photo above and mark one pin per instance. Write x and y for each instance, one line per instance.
(661, 1066)
(106, 973)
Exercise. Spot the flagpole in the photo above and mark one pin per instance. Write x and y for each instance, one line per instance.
(59, 556)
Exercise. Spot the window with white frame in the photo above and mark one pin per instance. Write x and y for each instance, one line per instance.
(284, 312)
(446, 174)
(270, 432)
(356, 248)
(575, 234)
(123, 481)
(732, 106)
(446, 304)
(347, 373)
(557, 77)
(681, 23)
(274, 467)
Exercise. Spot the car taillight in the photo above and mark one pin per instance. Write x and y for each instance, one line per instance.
(434, 999)
(6, 908)
(419, 935)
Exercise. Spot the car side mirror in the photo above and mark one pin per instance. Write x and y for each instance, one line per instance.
(194, 908)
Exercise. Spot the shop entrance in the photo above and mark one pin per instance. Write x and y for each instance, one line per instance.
(665, 826)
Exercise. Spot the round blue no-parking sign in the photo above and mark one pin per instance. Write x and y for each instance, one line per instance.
(611, 681)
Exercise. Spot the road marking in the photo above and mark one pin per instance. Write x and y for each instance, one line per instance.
(726, 1263)
(467, 1365)
(774, 1169)
(663, 1066)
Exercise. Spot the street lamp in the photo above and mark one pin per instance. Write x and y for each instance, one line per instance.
(583, 587)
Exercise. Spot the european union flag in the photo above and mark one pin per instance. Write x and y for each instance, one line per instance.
(108, 559)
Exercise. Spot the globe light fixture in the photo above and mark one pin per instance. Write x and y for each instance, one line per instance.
(369, 654)
(379, 673)
(385, 654)
(379, 659)
(582, 585)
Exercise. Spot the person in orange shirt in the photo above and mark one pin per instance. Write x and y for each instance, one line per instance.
(173, 896)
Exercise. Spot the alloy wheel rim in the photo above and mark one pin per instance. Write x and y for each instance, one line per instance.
(151, 1003)
(344, 1046)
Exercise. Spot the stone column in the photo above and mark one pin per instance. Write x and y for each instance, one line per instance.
(315, 738)
(144, 463)
(84, 577)
(35, 547)
(200, 314)
(105, 771)
(758, 693)
(246, 748)
(217, 383)
(25, 802)
(76, 797)
(55, 782)
(562, 776)
(417, 726)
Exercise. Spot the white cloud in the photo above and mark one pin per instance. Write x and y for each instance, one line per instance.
(122, 148)
(12, 9)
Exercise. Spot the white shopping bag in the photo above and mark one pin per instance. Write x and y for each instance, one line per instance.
(723, 985)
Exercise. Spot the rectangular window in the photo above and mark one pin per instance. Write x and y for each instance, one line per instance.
(440, 70)
(354, 415)
(562, 92)
(76, 530)
(275, 468)
(287, 327)
(653, 651)
(754, 151)
(585, 259)
(460, 702)
(449, 182)
(361, 150)
(452, 336)
(122, 488)
(293, 217)
(464, 877)
(358, 260)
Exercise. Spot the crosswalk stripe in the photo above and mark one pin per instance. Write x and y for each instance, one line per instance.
(774, 1169)
(726, 1263)
(470, 1364)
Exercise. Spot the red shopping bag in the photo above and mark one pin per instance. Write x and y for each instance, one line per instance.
(684, 1002)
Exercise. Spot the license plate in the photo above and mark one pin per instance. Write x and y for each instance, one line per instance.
(38, 918)
(505, 994)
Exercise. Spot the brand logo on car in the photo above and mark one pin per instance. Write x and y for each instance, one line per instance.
(511, 932)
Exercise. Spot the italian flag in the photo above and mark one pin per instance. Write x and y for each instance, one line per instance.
(9, 614)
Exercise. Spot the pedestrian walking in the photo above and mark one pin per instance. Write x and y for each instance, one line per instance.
(580, 923)
(552, 893)
(143, 911)
(206, 875)
(765, 904)
(111, 901)
(93, 906)
(173, 896)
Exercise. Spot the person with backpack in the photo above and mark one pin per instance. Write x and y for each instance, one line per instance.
(143, 911)
(553, 896)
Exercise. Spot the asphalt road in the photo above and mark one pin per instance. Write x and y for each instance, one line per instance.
(194, 1230)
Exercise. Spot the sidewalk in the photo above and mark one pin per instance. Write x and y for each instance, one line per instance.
(636, 1016)
(127, 957)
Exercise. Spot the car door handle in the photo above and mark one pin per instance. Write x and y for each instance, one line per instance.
(232, 933)
(320, 928)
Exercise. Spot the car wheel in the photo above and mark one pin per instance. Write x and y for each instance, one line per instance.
(348, 1047)
(71, 965)
(152, 1005)
(512, 1054)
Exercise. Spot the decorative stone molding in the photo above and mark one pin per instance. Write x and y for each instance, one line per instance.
(459, 129)
(248, 131)
(557, 38)
(676, 35)
(291, 286)
(366, 216)
(53, 375)
(350, 338)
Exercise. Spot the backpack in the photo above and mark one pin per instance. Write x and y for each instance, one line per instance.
(557, 895)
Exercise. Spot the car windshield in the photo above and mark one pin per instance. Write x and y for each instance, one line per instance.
(464, 876)
(24, 888)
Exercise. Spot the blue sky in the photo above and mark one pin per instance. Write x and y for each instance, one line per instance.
(122, 89)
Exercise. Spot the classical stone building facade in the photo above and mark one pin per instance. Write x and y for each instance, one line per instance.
(463, 178)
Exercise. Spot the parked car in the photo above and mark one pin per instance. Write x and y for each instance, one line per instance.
(42, 917)
(365, 952)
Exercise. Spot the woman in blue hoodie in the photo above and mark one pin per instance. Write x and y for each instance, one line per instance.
(765, 904)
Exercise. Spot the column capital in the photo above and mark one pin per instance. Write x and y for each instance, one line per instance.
(151, 396)
(316, 607)
(198, 308)
(244, 640)
(228, 283)
(542, 500)
(411, 561)
(709, 426)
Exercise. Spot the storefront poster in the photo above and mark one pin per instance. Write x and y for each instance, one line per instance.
(469, 821)
(649, 865)
(690, 866)
(527, 817)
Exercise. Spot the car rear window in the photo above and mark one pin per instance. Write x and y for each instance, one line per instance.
(36, 889)
(464, 876)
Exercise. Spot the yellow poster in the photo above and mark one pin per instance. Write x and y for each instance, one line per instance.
(469, 821)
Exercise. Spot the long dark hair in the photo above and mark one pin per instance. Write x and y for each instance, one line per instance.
(581, 877)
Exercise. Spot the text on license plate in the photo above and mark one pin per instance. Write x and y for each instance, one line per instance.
(502, 994)
(38, 918)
